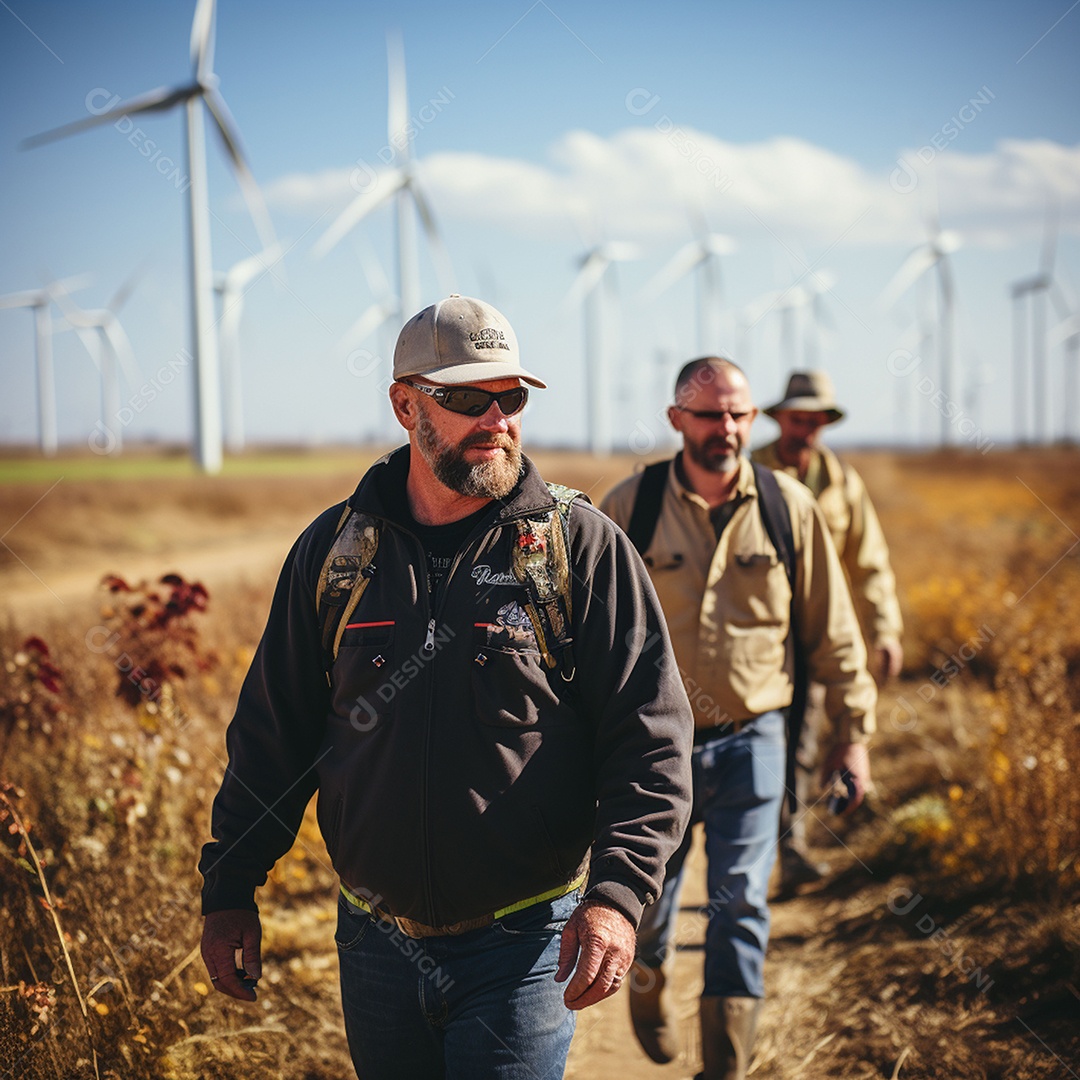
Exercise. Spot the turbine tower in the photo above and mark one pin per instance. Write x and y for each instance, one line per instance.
(594, 289)
(701, 256)
(231, 286)
(111, 351)
(933, 255)
(202, 90)
(40, 302)
(1029, 297)
(400, 184)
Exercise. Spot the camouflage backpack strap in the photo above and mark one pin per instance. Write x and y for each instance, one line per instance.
(345, 574)
(541, 562)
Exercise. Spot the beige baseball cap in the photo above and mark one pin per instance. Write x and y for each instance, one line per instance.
(460, 340)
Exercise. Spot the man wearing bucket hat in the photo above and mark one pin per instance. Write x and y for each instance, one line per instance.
(807, 408)
(455, 661)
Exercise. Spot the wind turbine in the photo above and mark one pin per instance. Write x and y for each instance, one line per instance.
(202, 90)
(934, 254)
(110, 350)
(817, 284)
(399, 183)
(40, 301)
(1068, 331)
(701, 255)
(231, 287)
(1029, 296)
(594, 290)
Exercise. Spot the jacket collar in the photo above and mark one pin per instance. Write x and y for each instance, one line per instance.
(823, 459)
(529, 496)
(745, 485)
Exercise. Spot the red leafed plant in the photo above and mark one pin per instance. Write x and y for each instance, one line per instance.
(32, 695)
(154, 641)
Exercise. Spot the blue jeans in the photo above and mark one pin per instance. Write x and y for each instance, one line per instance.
(738, 788)
(476, 1005)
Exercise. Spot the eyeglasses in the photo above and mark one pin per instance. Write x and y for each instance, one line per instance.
(713, 417)
(472, 401)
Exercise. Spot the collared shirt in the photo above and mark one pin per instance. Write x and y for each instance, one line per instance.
(858, 536)
(728, 605)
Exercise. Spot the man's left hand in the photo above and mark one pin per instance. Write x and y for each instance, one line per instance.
(606, 942)
(854, 760)
(888, 660)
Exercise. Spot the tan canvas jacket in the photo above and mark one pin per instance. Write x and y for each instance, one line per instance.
(728, 606)
(857, 534)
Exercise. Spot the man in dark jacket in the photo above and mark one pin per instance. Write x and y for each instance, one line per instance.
(499, 792)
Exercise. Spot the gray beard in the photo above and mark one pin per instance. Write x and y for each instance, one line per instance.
(713, 460)
(493, 479)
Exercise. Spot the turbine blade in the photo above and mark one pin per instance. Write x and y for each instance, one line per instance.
(230, 135)
(589, 276)
(120, 297)
(202, 39)
(1064, 330)
(756, 310)
(238, 276)
(1059, 299)
(112, 329)
(678, 266)
(389, 184)
(820, 281)
(91, 340)
(949, 241)
(443, 267)
(397, 110)
(31, 298)
(158, 100)
(911, 269)
(74, 315)
(620, 251)
(377, 282)
(719, 244)
(1049, 244)
(366, 325)
(71, 284)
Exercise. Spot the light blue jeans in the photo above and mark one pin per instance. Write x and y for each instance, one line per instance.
(738, 789)
(477, 1005)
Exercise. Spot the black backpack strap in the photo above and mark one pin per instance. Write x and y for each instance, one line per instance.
(776, 517)
(541, 562)
(344, 576)
(646, 511)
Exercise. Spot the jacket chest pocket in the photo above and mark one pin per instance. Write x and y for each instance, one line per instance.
(756, 591)
(365, 675)
(509, 685)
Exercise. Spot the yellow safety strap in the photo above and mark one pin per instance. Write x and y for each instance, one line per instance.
(551, 894)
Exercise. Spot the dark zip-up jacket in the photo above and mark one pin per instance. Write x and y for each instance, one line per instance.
(456, 774)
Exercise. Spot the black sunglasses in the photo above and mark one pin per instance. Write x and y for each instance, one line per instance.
(713, 417)
(472, 401)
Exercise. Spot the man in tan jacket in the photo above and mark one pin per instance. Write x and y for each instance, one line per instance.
(729, 605)
(807, 408)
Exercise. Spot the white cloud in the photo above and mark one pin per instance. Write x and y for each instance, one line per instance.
(641, 182)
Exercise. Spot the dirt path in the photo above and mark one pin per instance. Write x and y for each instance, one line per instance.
(802, 963)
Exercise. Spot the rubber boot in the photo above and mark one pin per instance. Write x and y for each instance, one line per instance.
(728, 1026)
(653, 1025)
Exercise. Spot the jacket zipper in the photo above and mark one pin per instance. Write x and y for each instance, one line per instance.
(429, 649)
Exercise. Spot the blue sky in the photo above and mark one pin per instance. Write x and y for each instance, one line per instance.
(540, 130)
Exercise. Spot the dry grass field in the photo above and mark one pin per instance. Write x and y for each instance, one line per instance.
(945, 944)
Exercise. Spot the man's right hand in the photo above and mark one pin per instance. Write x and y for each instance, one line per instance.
(230, 951)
